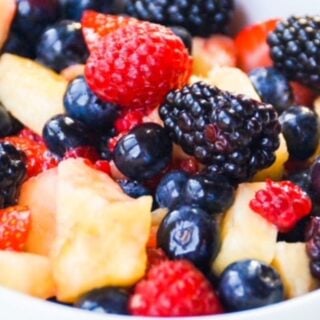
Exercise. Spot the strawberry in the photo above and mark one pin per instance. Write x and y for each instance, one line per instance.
(15, 223)
(97, 25)
(252, 48)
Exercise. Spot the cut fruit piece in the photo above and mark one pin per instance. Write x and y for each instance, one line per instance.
(101, 233)
(7, 13)
(73, 72)
(218, 50)
(233, 80)
(276, 170)
(244, 233)
(27, 273)
(39, 194)
(31, 92)
(292, 263)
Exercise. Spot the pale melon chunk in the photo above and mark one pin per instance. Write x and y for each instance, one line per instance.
(292, 263)
(233, 80)
(244, 233)
(276, 170)
(101, 232)
(27, 273)
(30, 91)
(39, 194)
(7, 13)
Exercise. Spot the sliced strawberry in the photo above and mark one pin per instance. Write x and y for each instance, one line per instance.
(303, 96)
(97, 25)
(252, 47)
(15, 224)
(39, 158)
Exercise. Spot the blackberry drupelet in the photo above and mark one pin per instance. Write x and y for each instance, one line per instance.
(12, 173)
(295, 47)
(233, 135)
(199, 17)
(313, 246)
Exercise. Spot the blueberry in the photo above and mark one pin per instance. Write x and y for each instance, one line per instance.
(184, 35)
(8, 124)
(105, 300)
(144, 152)
(62, 133)
(214, 194)
(34, 16)
(62, 45)
(134, 189)
(250, 284)
(189, 233)
(315, 179)
(273, 87)
(301, 130)
(19, 46)
(169, 190)
(73, 9)
(82, 104)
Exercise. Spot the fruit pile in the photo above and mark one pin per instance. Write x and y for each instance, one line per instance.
(151, 164)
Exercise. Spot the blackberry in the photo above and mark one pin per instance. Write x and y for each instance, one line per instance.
(313, 246)
(199, 17)
(295, 49)
(12, 173)
(233, 135)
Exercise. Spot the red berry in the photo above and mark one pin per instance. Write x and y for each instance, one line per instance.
(137, 65)
(39, 158)
(174, 288)
(103, 166)
(282, 203)
(155, 257)
(252, 48)
(27, 133)
(85, 152)
(128, 121)
(15, 224)
(303, 96)
(189, 165)
(96, 25)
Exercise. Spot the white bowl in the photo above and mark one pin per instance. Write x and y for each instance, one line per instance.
(16, 306)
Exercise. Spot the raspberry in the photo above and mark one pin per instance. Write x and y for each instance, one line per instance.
(128, 121)
(38, 157)
(232, 134)
(313, 246)
(15, 223)
(282, 203)
(155, 257)
(96, 25)
(137, 65)
(86, 152)
(174, 288)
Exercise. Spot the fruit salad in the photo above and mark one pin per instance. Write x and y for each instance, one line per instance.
(154, 163)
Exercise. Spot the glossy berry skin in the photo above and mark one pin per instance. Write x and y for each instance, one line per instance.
(313, 246)
(82, 104)
(250, 284)
(184, 35)
(169, 190)
(34, 16)
(124, 66)
(144, 152)
(189, 233)
(62, 133)
(173, 289)
(273, 87)
(134, 189)
(214, 194)
(301, 130)
(62, 45)
(315, 179)
(105, 300)
(73, 9)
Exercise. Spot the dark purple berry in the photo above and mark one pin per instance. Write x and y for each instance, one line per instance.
(313, 245)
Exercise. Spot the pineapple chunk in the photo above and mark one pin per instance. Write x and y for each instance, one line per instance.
(101, 232)
(233, 80)
(27, 273)
(30, 91)
(7, 13)
(276, 170)
(292, 263)
(244, 233)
